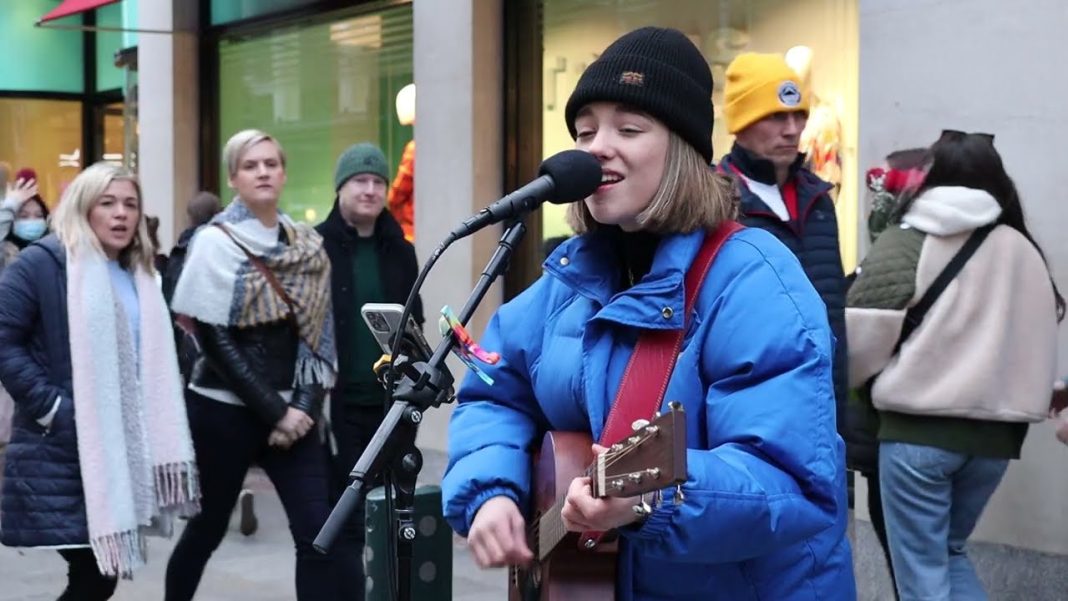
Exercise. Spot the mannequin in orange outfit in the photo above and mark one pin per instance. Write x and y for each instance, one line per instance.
(402, 192)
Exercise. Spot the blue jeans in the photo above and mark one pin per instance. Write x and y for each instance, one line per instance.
(932, 499)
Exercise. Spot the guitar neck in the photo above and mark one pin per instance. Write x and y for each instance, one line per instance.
(650, 459)
(550, 530)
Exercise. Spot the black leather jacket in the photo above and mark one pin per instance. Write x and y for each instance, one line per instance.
(255, 363)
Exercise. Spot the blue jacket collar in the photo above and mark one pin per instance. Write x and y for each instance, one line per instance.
(588, 265)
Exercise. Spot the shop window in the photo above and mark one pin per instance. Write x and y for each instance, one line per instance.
(114, 134)
(575, 32)
(318, 88)
(45, 135)
(38, 59)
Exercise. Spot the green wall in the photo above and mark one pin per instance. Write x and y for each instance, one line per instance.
(121, 14)
(228, 11)
(38, 59)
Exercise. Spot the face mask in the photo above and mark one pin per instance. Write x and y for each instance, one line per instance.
(30, 229)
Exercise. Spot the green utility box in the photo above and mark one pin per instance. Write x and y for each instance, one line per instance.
(431, 550)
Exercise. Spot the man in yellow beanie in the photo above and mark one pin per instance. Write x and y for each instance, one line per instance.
(766, 107)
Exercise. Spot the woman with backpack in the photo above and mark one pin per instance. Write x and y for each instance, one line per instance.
(952, 324)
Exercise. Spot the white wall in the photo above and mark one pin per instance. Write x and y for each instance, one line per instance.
(989, 66)
(458, 63)
(168, 149)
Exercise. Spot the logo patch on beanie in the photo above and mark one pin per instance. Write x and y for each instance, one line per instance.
(632, 78)
(789, 94)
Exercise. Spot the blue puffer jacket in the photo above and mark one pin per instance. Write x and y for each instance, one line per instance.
(813, 238)
(42, 502)
(764, 514)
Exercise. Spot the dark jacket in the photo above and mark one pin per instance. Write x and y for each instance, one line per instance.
(397, 267)
(184, 343)
(42, 502)
(175, 263)
(813, 238)
(255, 363)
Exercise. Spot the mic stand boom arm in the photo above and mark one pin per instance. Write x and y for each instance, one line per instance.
(393, 445)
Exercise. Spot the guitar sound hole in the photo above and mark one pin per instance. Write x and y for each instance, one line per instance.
(529, 583)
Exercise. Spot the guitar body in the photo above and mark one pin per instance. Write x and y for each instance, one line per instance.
(566, 573)
(650, 459)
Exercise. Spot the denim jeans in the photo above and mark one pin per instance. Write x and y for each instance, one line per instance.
(932, 499)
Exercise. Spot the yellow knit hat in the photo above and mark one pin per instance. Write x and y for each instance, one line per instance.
(759, 85)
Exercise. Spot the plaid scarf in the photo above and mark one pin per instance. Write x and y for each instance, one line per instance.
(219, 285)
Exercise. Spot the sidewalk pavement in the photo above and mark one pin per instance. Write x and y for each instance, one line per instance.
(261, 566)
(255, 567)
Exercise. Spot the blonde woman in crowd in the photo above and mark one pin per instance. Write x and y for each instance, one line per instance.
(100, 453)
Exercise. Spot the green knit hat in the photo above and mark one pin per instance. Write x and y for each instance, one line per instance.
(360, 158)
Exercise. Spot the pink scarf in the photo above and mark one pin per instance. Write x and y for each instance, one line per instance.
(134, 447)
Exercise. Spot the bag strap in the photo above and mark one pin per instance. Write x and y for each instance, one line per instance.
(645, 380)
(914, 316)
(265, 271)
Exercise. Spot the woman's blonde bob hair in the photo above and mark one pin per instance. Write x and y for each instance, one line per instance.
(239, 143)
(70, 222)
(691, 196)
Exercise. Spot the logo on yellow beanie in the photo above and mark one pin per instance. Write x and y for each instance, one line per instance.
(789, 94)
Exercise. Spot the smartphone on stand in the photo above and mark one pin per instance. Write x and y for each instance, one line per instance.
(383, 319)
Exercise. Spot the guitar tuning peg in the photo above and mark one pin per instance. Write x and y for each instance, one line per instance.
(679, 496)
(639, 424)
(642, 509)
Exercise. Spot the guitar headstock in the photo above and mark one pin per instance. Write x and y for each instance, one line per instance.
(652, 458)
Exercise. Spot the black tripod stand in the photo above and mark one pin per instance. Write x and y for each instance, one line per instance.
(416, 387)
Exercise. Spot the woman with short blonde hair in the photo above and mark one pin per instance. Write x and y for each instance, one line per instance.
(101, 452)
(257, 286)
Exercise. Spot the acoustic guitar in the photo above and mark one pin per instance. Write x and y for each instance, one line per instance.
(565, 568)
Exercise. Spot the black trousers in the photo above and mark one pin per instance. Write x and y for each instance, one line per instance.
(227, 440)
(84, 580)
(354, 426)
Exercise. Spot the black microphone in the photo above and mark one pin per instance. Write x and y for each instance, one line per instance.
(564, 177)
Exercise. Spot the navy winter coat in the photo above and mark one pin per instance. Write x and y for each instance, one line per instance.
(813, 238)
(42, 503)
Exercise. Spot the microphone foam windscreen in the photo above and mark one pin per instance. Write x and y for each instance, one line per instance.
(576, 174)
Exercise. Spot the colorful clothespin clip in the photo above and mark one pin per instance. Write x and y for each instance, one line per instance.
(466, 349)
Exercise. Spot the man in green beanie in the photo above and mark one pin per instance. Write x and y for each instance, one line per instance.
(371, 263)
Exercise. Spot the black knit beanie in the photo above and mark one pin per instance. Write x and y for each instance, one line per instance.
(658, 71)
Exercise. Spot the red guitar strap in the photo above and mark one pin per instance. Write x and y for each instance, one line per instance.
(645, 380)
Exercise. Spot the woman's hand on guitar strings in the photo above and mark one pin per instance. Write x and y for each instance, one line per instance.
(583, 512)
(498, 535)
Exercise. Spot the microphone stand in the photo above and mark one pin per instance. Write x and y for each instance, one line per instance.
(422, 385)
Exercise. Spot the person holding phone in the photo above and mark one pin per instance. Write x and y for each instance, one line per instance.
(372, 262)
